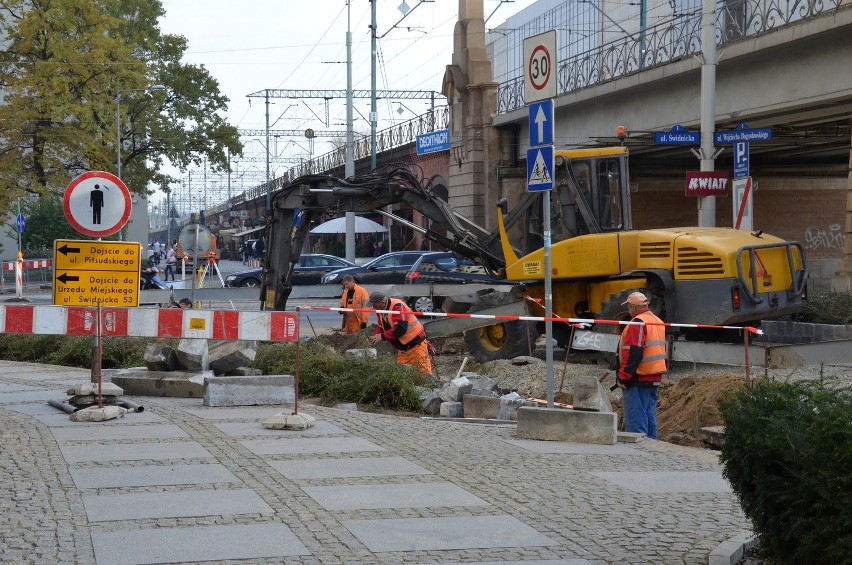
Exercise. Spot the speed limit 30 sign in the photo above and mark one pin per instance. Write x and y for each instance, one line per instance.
(540, 71)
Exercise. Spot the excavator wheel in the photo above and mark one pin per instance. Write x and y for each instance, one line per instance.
(499, 341)
(613, 310)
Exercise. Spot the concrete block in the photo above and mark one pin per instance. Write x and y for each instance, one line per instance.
(589, 394)
(452, 410)
(245, 372)
(431, 401)
(160, 357)
(483, 407)
(193, 354)
(362, 353)
(509, 405)
(525, 360)
(631, 437)
(482, 385)
(91, 389)
(249, 391)
(139, 381)
(455, 390)
(225, 356)
(555, 424)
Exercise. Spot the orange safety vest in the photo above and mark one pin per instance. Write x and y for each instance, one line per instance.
(654, 353)
(360, 299)
(386, 322)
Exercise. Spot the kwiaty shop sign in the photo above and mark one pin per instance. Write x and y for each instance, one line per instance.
(433, 142)
(707, 183)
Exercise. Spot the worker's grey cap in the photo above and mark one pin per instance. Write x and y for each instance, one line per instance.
(377, 296)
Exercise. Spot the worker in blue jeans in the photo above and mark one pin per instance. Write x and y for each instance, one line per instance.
(642, 362)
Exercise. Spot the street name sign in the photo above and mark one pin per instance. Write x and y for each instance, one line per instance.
(97, 204)
(433, 142)
(540, 168)
(86, 273)
(738, 135)
(540, 67)
(541, 123)
(677, 136)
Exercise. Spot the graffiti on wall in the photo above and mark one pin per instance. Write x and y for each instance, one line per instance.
(830, 238)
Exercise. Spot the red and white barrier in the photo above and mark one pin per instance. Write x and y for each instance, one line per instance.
(151, 322)
(40, 264)
(582, 322)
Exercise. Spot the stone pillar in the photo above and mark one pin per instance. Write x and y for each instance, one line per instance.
(472, 97)
(842, 281)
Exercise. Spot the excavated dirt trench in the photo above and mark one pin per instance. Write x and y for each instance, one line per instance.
(689, 396)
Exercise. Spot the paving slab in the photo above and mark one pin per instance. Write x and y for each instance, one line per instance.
(33, 396)
(181, 504)
(416, 495)
(527, 562)
(425, 534)
(99, 433)
(347, 468)
(668, 482)
(309, 445)
(244, 429)
(540, 446)
(15, 387)
(34, 409)
(58, 419)
(200, 543)
(239, 412)
(152, 475)
(134, 452)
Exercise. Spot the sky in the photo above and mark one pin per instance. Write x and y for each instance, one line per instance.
(254, 45)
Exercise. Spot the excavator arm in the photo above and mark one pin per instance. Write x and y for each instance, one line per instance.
(298, 203)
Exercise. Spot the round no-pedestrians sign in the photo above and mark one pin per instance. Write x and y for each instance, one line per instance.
(97, 204)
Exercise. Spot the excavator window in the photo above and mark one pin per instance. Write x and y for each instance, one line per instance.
(608, 205)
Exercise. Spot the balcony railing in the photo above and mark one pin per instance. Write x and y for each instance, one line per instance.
(671, 41)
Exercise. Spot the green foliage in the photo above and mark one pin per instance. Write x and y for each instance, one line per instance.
(827, 308)
(46, 223)
(72, 351)
(323, 372)
(76, 78)
(788, 455)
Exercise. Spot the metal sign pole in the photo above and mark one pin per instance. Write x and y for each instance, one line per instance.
(548, 297)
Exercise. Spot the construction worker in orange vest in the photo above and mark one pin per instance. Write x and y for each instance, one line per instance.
(354, 296)
(403, 331)
(642, 356)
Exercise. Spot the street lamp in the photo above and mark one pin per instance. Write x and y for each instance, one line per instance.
(151, 88)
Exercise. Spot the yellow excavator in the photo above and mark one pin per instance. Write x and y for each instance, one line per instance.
(715, 276)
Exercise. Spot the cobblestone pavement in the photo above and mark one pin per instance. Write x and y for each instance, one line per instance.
(356, 488)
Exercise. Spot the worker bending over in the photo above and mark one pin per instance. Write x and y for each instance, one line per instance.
(403, 331)
(354, 296)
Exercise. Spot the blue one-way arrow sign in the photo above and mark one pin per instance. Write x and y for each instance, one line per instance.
(541, 123)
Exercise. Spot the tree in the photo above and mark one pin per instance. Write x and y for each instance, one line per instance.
(63, 64)
(46, 222)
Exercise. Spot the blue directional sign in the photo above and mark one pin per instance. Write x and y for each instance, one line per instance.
(541, 123)
(677, 136)
(433, 142)
(20, 222)
(540, 168)
(741, 135)
(741, 164)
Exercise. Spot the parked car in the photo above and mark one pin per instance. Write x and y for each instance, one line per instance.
(444, 268)
(390, 268)
(309, 270)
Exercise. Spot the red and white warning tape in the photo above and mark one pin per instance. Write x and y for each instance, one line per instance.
(581, 322)
(39, 264)
(151, 322)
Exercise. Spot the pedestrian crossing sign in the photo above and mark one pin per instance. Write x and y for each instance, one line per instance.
(540, 168)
